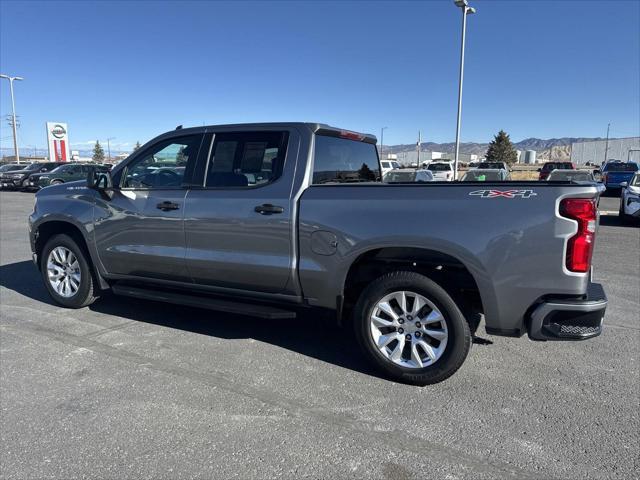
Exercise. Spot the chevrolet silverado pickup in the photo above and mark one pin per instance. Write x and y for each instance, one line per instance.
(273, 220)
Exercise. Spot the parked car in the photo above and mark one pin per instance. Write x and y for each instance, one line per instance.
(492, 166)
(630, 199)
(442, 171)
(18, 179)
(549, 167)
(308, 235)
(68, 172)
(388, 165)
(486, 175)
(10, 166)
(408, 175)
(614, 174)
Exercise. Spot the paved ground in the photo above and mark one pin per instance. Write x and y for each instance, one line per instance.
(136, 389)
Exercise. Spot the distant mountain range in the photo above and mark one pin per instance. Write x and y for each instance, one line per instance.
(561, 147)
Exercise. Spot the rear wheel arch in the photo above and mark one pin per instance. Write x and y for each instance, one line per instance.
(446, 270)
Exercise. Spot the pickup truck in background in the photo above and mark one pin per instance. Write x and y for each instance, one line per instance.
(273, 220)
(549, 167)
(615, 173)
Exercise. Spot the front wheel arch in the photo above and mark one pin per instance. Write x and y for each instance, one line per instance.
(47, 230)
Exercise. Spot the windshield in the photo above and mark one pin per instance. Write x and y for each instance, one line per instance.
(439, 167)
(480, 176)
(399, 176)
(557, 166)
(395, 164)
(7, 168)
(621, 167)
(570, 176)
(490, 165)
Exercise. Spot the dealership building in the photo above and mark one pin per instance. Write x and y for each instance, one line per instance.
(625, 149)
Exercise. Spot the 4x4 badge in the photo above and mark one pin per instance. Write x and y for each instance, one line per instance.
(503, 193)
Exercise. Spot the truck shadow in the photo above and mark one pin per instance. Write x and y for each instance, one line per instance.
(309, 334)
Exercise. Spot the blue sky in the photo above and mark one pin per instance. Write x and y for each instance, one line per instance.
(133, 70)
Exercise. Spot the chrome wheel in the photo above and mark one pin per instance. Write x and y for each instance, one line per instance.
(63, 271)
(408, 329)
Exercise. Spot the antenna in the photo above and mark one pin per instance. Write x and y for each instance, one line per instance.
(179, 127)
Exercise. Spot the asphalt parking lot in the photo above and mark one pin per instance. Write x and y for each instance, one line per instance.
(129, 388)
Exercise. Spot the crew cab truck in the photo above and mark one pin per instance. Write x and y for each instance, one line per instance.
(272, 220)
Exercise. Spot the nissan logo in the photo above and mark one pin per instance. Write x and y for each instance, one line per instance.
(58, 131)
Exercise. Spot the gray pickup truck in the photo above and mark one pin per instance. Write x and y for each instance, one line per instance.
(272, 220)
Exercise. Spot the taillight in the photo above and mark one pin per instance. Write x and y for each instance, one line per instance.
(580, 246)
(351, 135)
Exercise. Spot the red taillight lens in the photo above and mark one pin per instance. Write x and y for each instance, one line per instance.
(580, 246)
(352, 135)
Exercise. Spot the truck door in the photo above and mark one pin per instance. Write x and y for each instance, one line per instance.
(238, 224)
(139, 231)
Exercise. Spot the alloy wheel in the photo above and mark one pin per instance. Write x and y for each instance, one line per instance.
(63, 271)
(408, 329)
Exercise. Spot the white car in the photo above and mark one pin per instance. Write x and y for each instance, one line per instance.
(408, 175)
(442, 171)
(388, 165)
(630, 199)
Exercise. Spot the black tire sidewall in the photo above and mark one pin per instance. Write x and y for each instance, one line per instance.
(84, 295)
(458, 343)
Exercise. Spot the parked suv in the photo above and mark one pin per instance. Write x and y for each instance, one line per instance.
(19, 179)
(442, 171)
(68, 172)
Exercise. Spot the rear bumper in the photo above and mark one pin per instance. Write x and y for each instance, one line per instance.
(569, 319)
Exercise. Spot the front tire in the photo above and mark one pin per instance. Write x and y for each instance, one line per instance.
(66, 272)
(411, 329)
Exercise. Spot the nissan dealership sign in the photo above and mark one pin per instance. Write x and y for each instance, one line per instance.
(58, 140)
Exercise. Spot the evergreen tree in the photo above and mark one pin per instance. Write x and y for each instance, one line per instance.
(501, 149)
(98, 153)
(137, 146)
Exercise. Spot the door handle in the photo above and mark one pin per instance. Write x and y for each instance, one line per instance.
(166, 206)
(268, 209)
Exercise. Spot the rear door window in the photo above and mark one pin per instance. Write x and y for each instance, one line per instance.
(340, 160)
(246, 159)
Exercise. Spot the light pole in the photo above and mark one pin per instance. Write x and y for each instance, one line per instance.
(606, 145)
(466, 10)
(382, 140)
(109, 147)
(13, 120)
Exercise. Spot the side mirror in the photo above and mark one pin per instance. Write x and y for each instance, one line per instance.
(99, 180)
(623, 184)
(539, 169)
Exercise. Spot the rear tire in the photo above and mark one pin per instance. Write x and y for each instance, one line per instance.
(66, 272)
(429, 344)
